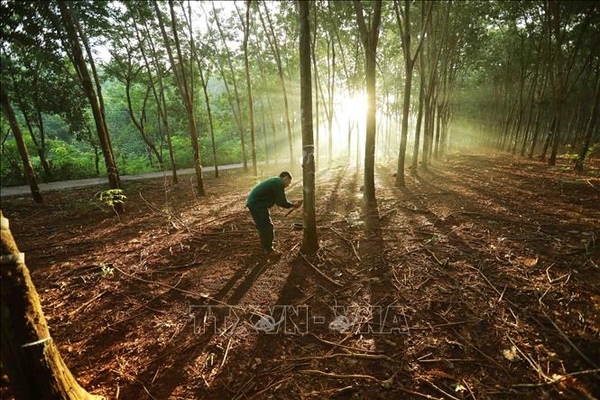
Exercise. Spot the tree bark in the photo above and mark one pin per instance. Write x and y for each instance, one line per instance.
(310, 243)
(185, 91)
(159, 97)
(591, 125)
(29, 355)
(93, 97)
(38, 121)
(204, 83)
(249, 87)
(237, 109)
(415, 158)
(14, 126)
(369, 38)
(403, 21)
(141, 125)
(275, 49)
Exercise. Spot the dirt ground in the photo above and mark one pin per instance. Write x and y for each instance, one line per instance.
(479, 280)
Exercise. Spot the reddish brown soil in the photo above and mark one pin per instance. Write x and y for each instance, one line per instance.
(480, 279)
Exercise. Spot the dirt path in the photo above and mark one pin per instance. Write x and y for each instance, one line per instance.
(480, 279)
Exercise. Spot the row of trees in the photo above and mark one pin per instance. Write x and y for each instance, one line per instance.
(179, 75)
(221, 81)
(540, 80)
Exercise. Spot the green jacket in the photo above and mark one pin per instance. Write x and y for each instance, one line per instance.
(268, 193)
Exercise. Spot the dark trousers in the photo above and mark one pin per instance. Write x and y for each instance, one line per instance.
(264, 225)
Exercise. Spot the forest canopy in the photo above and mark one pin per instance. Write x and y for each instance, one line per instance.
(163, 85)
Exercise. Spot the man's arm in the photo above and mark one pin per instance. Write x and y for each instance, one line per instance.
(280, 199)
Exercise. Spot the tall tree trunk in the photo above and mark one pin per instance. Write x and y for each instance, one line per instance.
(141, 124)
(438, 131)
(263, 128)
(39, 123)
(274, 130)
(272, 39)
(538, 118)
(185, 90)
(415, 158)
(94, 98)
(29, 355)
(403, 21)
(159, 97)
(592, 125)
(310, 243)
(531, 107)
(237, 106)
(427, 129)
(246, 24)
(404, 131)
(549, 136)
(204, 83)
(563, 64)
(331, 91)
(316, 89)
(370, 37)
(188, 91)
(327, 104)
(14, 126)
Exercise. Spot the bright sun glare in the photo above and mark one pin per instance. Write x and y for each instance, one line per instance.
(350, 114)
(353, 105)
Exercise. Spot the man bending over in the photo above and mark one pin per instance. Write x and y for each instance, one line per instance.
(264, 196)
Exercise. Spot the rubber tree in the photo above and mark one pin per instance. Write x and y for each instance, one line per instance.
(310, 243)
(125, 68)
(566, 51)
(185, 83)
(369, 34)
(30, 356)
(435, 44)
(200, 55)
(23, 153)
(246, 26)
(233, 95)
(404, 26)
(592, 124)
(275, 49)
(28, 94)
(145, 39)
(74, 39)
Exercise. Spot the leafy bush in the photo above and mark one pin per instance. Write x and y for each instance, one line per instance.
(134, 164)
(70, 162)
(11, 168)
(229, 152)
(184, 155)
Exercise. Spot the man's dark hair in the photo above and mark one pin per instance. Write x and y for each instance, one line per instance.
(285, 174)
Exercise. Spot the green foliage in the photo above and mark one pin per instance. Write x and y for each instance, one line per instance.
(106, 270)
(132, 163)
(110, 197)
(594, 149)
(579, 161)
(182, 148)
(229, 152)
(486, 45)
(68, 161)
(11, 168)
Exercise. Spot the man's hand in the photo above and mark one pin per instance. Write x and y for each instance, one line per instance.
(294, 207)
